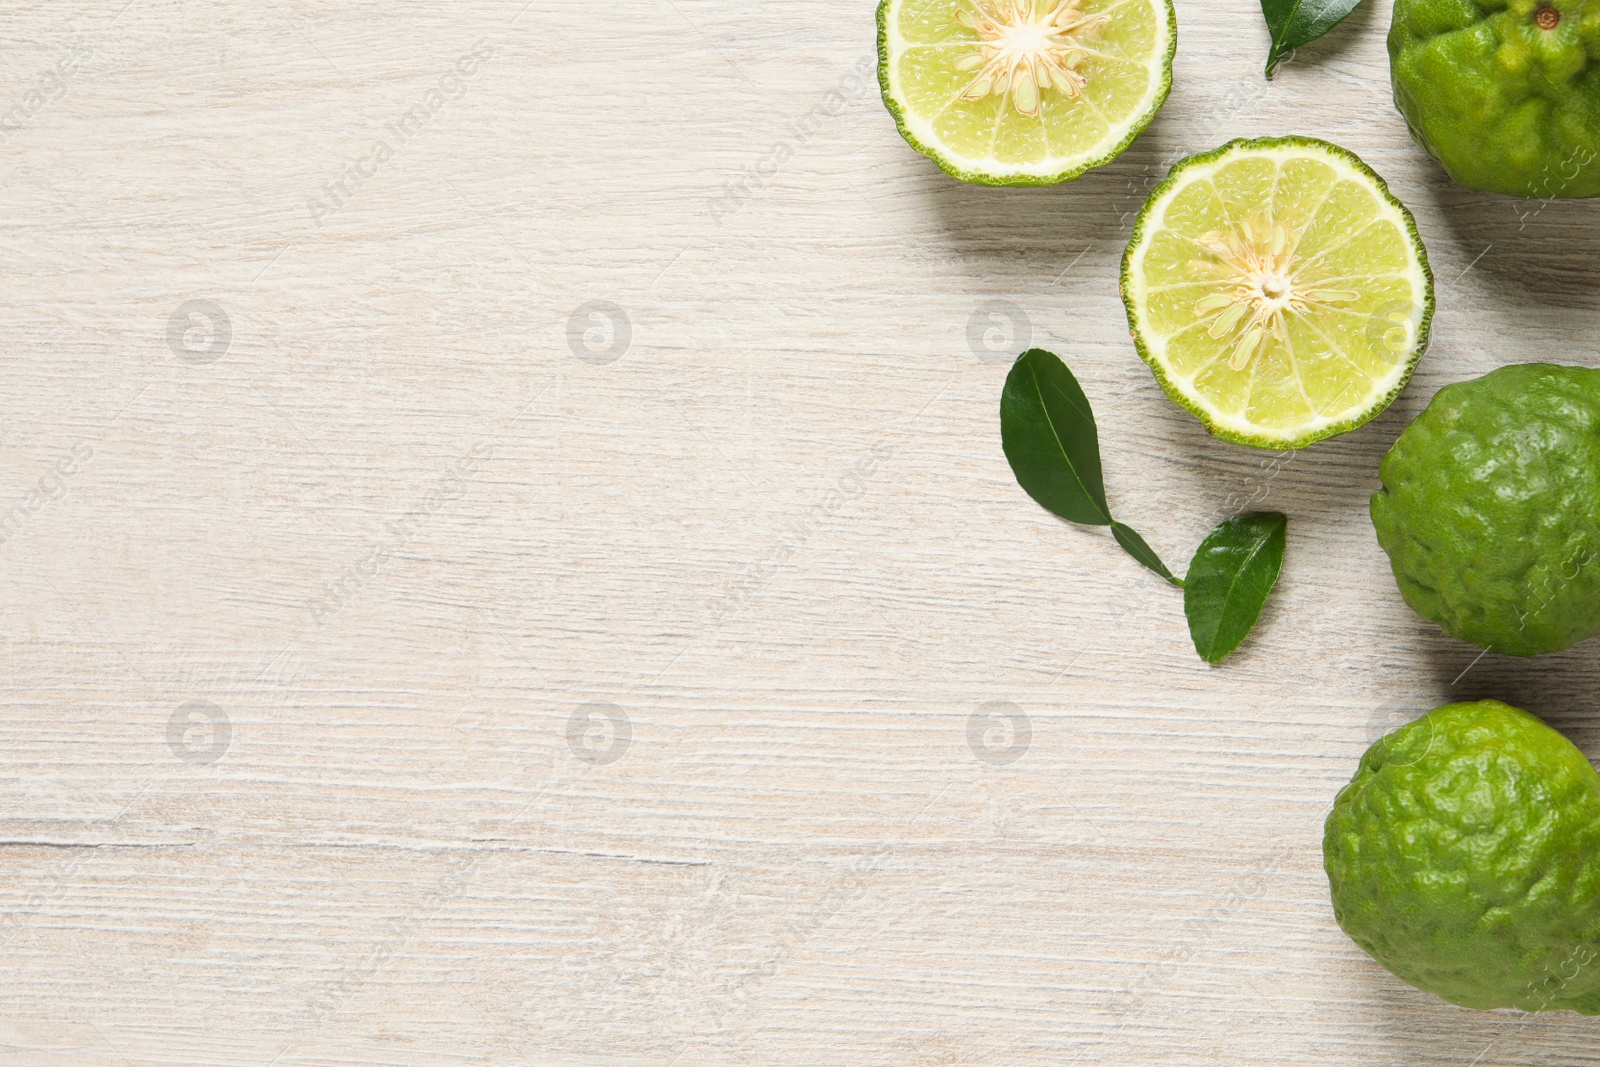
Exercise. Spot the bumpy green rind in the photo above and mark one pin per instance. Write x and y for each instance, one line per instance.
(1504, 105)
(1490, 509)
(1279, 444)
(1464, 856)
(978, 177)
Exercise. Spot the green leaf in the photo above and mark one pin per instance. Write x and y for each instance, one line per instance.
(1293, 23)
(1048, 432)
(1229, 581)
(1135, 546)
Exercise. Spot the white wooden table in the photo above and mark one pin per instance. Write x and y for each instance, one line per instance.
(644, 373)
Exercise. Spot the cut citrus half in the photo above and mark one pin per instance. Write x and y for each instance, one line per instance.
(1024, 92)
(1278, 291)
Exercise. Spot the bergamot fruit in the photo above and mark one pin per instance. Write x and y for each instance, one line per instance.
(1278, 291)
(1490, 509)
(1024, 92)
(1464, 856)
(1505, 94)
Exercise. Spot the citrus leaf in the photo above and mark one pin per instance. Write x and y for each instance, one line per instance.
(1293, 23)
(1048, 432)
(1230, 579)
(1135, 546)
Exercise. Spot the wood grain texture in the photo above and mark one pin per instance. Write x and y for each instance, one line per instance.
(397, 534)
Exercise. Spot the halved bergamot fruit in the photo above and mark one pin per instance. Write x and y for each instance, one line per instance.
(1024, 92)
(1278, 291)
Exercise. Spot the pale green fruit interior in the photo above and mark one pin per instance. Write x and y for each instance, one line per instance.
(1125, 65)
(1336, 359)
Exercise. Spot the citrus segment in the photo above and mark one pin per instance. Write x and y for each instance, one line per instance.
(1278, 291)
(1024, 92)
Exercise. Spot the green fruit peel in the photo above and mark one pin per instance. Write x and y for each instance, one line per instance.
(1489, 509)
(1465, 857)
(1505, 94)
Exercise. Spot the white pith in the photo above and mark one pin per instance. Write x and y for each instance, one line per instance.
(921, 127)
(1027, 49)
(1156, 344)
(1258, 258)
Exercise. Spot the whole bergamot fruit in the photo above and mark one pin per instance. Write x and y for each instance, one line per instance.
(1504, 93)
(1464, 856)
(1490, 509)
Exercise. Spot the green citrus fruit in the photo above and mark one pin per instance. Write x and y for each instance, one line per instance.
(1464, 856)
(1024, 92)
(1278, 291)
(1504, 93)
(1490, 509)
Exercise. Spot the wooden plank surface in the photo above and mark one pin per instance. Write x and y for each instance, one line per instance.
(544, 624)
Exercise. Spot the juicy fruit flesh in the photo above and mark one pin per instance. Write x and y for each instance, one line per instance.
(1489, 509)
(1464, 856)
(1503, 93)
(1313, 324)
(1049, 99)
